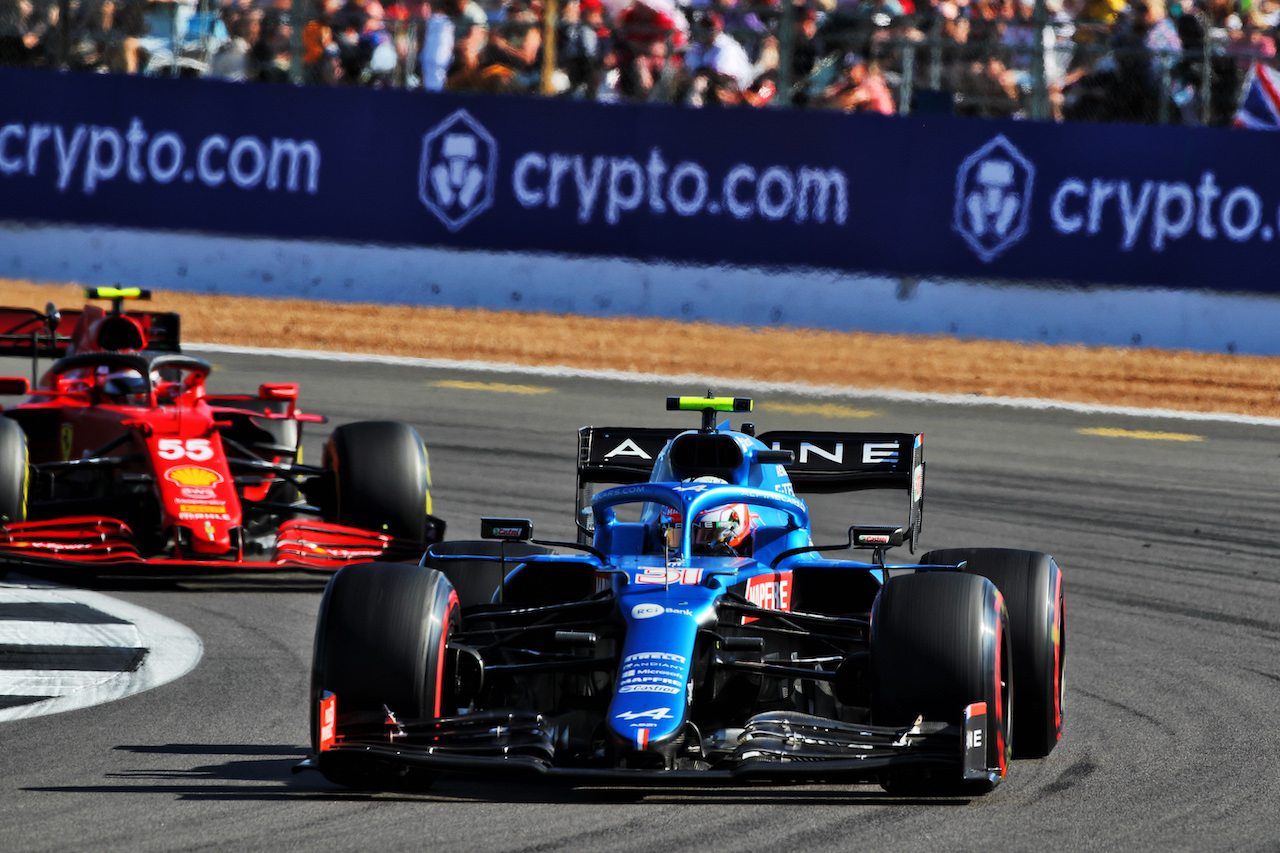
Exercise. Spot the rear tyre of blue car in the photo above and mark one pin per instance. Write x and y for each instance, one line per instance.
(381, 643)
(939, 643)
(381, 479)
(478, 581)
(1031, 583)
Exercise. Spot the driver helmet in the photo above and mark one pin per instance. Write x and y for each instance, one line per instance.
(122, 386)
(727, 525)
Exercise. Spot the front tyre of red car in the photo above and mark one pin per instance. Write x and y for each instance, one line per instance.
(381, 645)
(381, 478)
(940, 643)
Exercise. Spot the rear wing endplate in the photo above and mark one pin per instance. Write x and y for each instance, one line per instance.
(829, 462)
(620, 455)
(616, 456)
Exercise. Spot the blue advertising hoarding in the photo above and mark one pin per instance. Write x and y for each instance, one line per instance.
(926, 195)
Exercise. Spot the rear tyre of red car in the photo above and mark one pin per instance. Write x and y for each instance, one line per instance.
(271, 438)
(381, 642)
(1031, 583)
(939, 643)
(381, 478)
(14, 473)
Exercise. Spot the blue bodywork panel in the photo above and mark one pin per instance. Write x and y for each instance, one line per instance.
(665, 594)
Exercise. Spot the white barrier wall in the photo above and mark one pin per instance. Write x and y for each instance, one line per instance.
(1163, 318)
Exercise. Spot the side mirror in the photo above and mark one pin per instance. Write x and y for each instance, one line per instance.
(278, 391)
(506, 529)
(14, 386)
(877, 537)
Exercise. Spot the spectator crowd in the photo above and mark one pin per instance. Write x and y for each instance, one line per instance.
(1167, 61)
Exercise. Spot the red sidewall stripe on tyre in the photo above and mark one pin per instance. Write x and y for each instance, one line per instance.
(999, 684)
(1058, 619)
(442, 651)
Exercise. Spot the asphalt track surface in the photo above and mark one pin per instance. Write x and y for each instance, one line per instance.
(1169, 551)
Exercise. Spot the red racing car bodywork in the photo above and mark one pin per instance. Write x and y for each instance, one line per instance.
(119, 457)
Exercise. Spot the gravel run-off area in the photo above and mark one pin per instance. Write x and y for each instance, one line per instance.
(1120, 376)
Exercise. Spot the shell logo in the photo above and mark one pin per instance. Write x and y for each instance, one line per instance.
(193, 475)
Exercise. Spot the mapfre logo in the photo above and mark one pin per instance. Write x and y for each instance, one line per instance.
(993, 198)
(459, 170)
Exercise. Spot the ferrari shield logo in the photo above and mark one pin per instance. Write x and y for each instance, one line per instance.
(64, 440)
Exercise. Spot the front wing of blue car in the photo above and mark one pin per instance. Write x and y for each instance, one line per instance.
(776, 747)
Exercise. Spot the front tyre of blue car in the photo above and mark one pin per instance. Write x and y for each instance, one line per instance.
(940, 643)
(1031, 584)
(380, 646)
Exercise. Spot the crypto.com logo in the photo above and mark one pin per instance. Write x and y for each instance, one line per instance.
(459, 169)
(993, 198)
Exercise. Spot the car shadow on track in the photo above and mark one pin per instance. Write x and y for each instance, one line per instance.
(265, 773)
(257, 582)
(470, 790)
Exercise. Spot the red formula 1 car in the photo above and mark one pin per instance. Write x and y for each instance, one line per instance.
(119, 459)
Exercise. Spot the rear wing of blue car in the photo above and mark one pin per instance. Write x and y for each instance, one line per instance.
(821, 462)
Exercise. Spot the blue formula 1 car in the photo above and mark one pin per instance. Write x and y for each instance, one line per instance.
(695, 633)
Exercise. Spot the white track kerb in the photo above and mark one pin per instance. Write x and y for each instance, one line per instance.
(744, 385)
(172, 650)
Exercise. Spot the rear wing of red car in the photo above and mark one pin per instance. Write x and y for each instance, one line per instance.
(27, 332)
(821, 462)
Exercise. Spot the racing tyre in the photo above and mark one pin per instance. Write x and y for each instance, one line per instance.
(14, 472)
(381, 478)
(1031, 584)
(476, 581)
(939, 643)
(380, 641)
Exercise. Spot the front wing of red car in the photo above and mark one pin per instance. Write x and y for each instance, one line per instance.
(105, 545)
